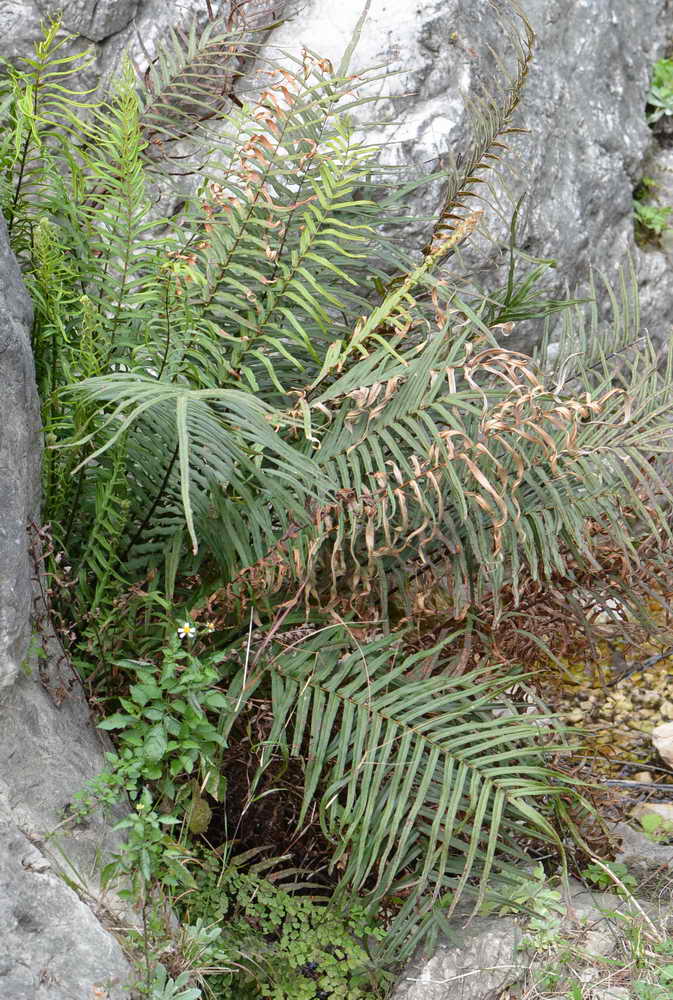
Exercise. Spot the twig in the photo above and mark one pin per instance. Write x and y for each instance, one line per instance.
(463, 975)
(628, 896)
(635, 668)
(638, 784)
(247, 660)
(631, 763)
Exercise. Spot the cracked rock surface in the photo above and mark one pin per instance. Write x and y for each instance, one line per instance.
(52, 944)
(53, 947)
(19, 464)
(92, 19)
(488, 958)
(584, 107)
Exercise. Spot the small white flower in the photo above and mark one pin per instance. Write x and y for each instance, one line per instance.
(186, 631)
(209, 627)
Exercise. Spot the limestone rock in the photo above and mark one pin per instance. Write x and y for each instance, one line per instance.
(49, 749)
(95, 21)
(479, 961)
(662, 737)
(655, 285)
(611, 993)
(584, 105)
(650, 864)
(662, 809)
(53, 947)
(659, 169)
(19, 464)
(19, 28)
(151, 25)
(595, 933)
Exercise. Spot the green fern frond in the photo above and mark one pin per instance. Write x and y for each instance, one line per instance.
(189, 81)
(193, 78)
(119, 224)
(445, 450)
(416, 778)
(100, 559)
(286, 241)
(44, 115)
(226, 438)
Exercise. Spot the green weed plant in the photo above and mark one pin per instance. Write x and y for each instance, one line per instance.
(660, 94)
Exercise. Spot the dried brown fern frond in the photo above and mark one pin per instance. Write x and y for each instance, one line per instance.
(492, 121)
(451, 473)
(194, 77)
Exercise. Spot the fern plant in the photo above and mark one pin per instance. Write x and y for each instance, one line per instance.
(266, 408)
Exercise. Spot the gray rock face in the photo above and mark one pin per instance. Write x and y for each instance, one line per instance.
(19, 28)
(649, 862)
(53, 945)
(478, 963)
(583, 105)
(49, 748)
(484, 956)
(53, 948)
(95, 21)
(151, 24)
(19, 464)
(656, 264)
